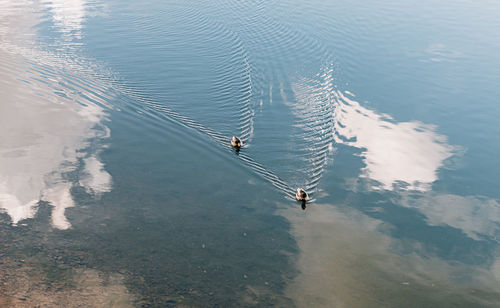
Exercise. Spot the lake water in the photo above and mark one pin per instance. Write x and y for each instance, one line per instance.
(118, 185)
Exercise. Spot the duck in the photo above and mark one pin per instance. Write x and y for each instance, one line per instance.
(236, 142)
(301, 195)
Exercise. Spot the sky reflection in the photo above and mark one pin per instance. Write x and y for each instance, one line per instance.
(347, 259)
(68, 16)
(393, 152)
(47, 124)
(477, 217)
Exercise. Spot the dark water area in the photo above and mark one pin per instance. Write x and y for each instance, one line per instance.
(119, 187)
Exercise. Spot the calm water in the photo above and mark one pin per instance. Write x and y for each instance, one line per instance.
(118, 186)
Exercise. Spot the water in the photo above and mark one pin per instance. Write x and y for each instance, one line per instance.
(118, 186)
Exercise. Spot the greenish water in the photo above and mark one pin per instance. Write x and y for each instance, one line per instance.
(118, 186)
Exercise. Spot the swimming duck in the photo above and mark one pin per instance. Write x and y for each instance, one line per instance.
(301, 195)
(236, 142)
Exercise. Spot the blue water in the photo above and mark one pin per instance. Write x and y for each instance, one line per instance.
(119, 186)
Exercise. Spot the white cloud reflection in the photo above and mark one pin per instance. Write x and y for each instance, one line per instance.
(68, 16)
(406, 154)
(46, 127)
(42, 142)
(96, 179)
(346, 259)
(410, 152)
(476, 217)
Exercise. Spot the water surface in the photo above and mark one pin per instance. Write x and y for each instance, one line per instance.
(118, 186)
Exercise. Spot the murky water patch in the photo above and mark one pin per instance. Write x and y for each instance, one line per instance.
(25, 284)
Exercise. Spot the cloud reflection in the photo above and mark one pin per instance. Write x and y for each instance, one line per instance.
(409, 152)
(476, 217)
(347, 260)
(42, 143)
(46, 124)
(68, 16)
(406, 154)
(96, 179)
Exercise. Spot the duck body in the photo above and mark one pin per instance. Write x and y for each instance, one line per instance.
(236, 142)
(301, 195)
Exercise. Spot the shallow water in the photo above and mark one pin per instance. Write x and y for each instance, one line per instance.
(118, 185)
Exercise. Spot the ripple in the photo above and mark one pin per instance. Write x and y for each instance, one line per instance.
(228, 83)
(55, 126)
